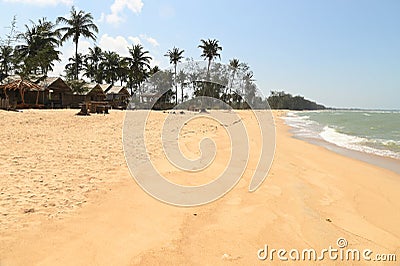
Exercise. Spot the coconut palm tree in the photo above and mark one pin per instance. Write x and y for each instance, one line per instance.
(234, 65)
(211, 50)
(78, 24)
(92, 64)
(122, 70)
(139, 64)
(110, 66)
(154, 70)
(175, 56)
(37, 50)
(181, 79)
(249, 87)
(6, 55)
(75, 63)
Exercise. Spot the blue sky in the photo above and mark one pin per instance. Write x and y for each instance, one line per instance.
(342, 53)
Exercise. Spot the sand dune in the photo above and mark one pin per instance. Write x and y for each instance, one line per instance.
(67, 198)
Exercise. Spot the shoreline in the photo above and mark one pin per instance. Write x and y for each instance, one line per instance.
(385, 162)
(310, 198)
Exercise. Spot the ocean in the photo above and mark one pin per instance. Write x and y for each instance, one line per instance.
(371, 132)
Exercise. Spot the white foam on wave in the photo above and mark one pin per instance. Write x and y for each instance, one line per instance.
(353, 143)
(302, 124)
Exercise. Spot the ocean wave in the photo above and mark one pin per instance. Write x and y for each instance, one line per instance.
(354, 143)
(384, 111)
(303, 126)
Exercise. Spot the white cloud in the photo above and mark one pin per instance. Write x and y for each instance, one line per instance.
(42, 2)
(116, 44)
(150, 40)
(121, 45)
(118, 7)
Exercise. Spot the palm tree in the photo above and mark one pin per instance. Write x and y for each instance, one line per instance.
(175, 56)
(78, 24)
(139, 63)
(6, 55)
(122, 70)
(38, 48)
(235, 65)
(75, 63)
(110, 66)
(92, 64)
(211, 50)
(249, 88)
(154, 70)
(89, 70)
(181, 80)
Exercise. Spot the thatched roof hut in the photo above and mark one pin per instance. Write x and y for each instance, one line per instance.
(59, 94)
(118, 96)
(93, 92)
(22, 86)
(55, 84)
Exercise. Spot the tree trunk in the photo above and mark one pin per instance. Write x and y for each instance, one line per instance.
(203, 109)
(182, 92)
(176, 88)
(76, 60)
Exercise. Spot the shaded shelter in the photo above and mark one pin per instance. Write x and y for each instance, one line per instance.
(118, 97)
(21, 93)
(92, 92)
(56, 93)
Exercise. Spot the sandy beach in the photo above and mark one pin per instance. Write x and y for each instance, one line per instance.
(67, 198)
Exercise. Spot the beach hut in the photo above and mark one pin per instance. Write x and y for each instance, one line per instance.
(92, 97)
(92, 92)
(56, 92)
(118, 97)
(21, 93)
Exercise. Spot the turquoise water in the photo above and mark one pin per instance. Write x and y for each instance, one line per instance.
(375, 132)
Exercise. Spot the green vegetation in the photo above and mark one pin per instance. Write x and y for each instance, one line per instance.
(211, 50)
(78, 24)
(282, 100)
(33, 52)
(175, 56)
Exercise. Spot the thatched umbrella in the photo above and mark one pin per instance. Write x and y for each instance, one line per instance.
(22, 86)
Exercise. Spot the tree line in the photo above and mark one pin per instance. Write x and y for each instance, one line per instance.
(283, 100)
(34, 51)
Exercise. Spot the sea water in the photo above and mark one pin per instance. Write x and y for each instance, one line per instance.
(372, 132)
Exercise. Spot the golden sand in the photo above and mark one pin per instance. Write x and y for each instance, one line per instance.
(67, 198)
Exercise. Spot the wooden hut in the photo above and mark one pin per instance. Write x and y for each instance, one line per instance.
(93, 92)
(20, 94)
(56, 94)
(118, 97)
(92, 97)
